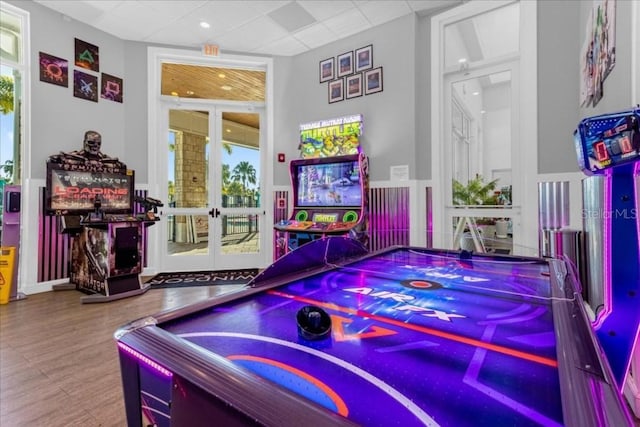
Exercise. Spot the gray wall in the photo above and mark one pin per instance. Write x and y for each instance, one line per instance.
(561, 34)
(396, 121)
(58, 119)
(389, 116)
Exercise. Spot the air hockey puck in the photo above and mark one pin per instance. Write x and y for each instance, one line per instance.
(313, 323)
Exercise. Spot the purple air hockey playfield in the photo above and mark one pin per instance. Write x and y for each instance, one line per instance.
(417, 337)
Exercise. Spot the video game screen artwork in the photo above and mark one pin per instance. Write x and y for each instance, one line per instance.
(329, 184)
(71, 192)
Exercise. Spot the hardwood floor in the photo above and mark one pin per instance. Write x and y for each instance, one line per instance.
(58, 359)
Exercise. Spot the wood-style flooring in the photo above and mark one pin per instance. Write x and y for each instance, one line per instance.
(58, 359)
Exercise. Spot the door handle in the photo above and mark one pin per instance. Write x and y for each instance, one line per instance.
(214, 212)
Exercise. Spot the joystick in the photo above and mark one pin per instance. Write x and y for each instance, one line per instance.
(313, 323)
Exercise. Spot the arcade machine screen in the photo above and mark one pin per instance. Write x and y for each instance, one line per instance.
(74, 192)
(328, 185)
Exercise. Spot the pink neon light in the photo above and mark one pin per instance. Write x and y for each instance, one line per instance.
(607, 214)
(634, 360)
(161, 369)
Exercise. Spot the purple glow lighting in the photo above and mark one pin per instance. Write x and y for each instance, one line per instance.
(634, 360)
(141, 357)
(606, 262)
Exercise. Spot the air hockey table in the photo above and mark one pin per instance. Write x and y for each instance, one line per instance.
(414, 337)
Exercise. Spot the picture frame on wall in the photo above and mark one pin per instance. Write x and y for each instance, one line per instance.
(336, 91)
(85, 86)
(54, 70)
(373, 81)
(111, 88)
(327, 70)
(345, 64)
(87, 55)
(364, 58)
(353, 86)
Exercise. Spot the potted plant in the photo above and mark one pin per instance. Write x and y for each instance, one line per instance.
(475, 192)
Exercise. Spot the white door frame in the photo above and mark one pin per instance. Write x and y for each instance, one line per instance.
(526, 122)
(157, 141)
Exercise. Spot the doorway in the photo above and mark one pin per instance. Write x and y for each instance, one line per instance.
(210, 121)
(484, 152)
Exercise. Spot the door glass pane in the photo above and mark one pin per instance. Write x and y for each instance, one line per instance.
(187, 234)
(188, 158)
(240, 154)
(240, 234)
(483, 37)
(188, 186)
(481, 141)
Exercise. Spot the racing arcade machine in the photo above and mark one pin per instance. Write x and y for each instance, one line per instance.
(608, 149)
(330, 186)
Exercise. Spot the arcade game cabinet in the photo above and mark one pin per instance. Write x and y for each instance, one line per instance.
(608, 148)
(330, 185)
(93, 195)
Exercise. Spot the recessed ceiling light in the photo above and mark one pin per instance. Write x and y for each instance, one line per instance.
(174, 93)
(225, 87)
(222, 75)
(476, 93)
(204, 24)
(190, 92)
(462, 60)
(228, 130)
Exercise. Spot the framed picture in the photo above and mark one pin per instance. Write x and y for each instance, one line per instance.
(364, 58)
(87, 55)
(354, 86)
(85, 86)
(345, 64)
(111, 88)
(336, 91)
(54, 70)
(326, 70)
(373, 81)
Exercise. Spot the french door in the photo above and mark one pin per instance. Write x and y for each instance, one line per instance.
(209, 174)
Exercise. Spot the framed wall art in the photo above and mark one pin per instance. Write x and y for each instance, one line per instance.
(345, 64)
(327, 70)
(85, 86)
(54, 70)
(111, 88)
(364, 58)
(87, 55)
(354, 86)
(336, 91)
(373, 81)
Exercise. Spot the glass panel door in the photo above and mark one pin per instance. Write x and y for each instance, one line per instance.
(188, 193)
(238, 187)
(480, 151)
(213, 216)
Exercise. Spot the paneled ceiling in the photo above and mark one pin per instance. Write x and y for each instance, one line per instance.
(269, 27)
